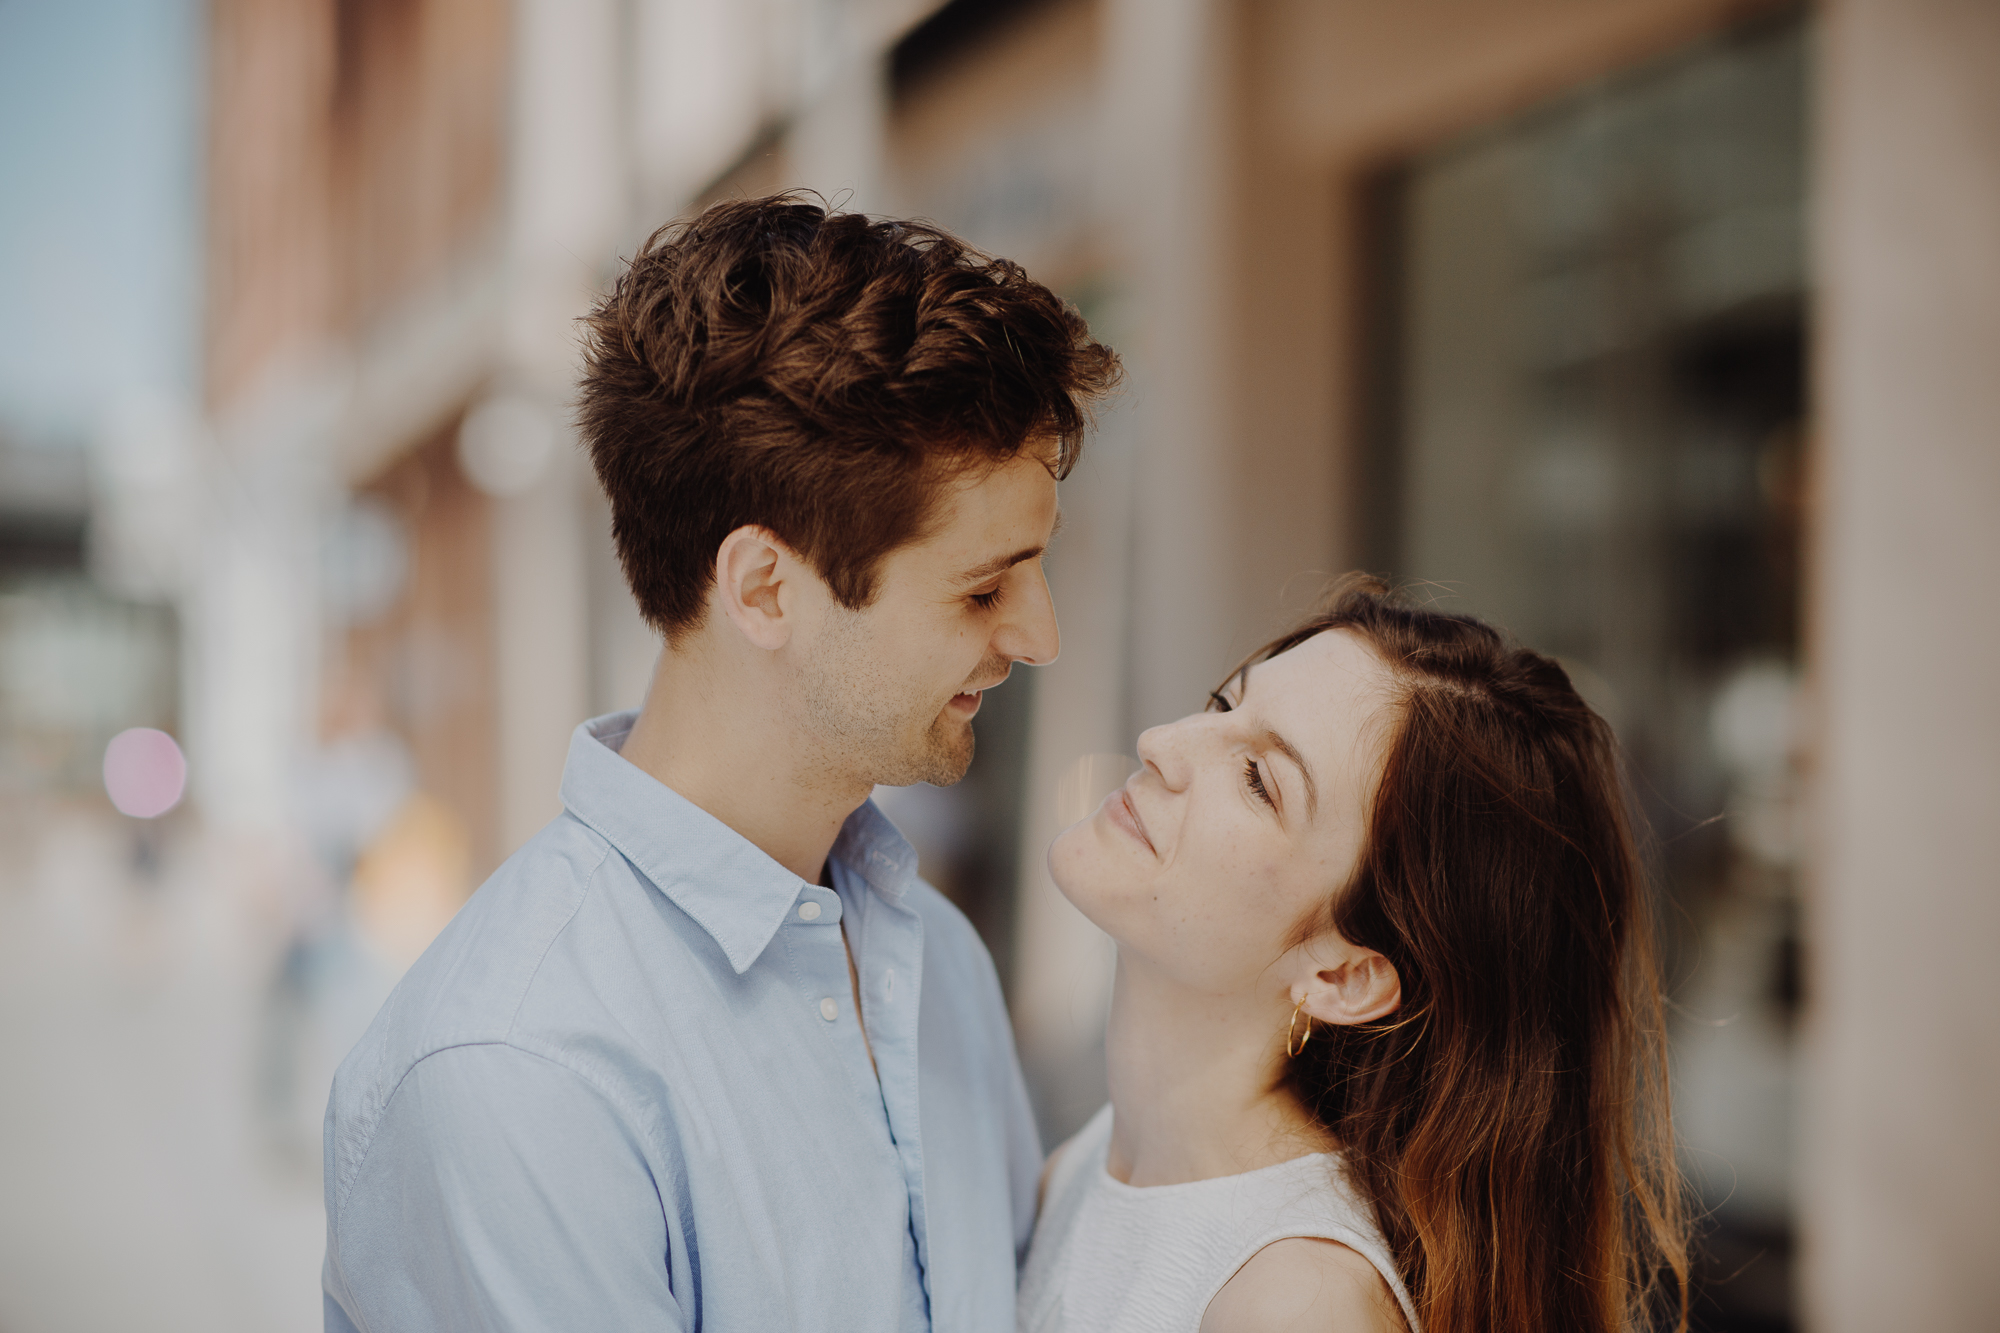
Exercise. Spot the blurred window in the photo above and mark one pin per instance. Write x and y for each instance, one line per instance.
(77, 665)
(1588, 427)
(78, 662)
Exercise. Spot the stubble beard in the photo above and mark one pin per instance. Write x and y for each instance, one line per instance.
(861, 726)
(946, 754)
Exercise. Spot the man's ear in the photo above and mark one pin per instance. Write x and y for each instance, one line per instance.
(1361, 987)
(756, 578)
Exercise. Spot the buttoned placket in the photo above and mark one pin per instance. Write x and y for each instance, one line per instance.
(886, 938)
(819, 953)
(888, 942)
(817, 929)
(816, 948)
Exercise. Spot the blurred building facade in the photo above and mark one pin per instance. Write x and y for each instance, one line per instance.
(1653, 329)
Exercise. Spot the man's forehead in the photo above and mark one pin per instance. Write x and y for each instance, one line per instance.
(981, 570)
(997, 512)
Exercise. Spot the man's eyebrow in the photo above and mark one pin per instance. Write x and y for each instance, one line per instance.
(986, 569)
(1274, 741)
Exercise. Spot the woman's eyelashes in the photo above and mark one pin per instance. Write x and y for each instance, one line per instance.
(1255, 781)
(1253, 778)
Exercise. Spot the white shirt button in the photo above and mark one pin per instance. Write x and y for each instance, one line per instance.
(828, 1009)
(808, 911)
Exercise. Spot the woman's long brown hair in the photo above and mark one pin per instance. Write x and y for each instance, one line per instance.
(1509, 1122)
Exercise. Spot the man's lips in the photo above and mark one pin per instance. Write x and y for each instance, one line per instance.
(981, 689)
(970, 698)
(1119, 808)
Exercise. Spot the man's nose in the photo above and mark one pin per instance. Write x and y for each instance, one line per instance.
(1031, 634)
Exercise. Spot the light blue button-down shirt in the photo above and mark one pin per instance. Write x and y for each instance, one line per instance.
(626, 1089)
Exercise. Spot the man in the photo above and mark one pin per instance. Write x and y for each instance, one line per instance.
(705, 1053)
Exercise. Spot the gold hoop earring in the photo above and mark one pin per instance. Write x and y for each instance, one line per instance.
(1292, 1027)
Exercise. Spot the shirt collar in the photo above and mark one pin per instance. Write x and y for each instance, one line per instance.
(723, 881)
(875, 849)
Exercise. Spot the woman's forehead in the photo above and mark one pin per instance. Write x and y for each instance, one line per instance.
(1324, 694)
(1335, 664)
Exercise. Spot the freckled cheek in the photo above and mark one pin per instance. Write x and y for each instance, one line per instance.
(1250, 901)
(1251, 875)
(1238, 899)
(1261, 898)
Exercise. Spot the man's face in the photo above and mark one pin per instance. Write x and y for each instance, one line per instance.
(890, 690)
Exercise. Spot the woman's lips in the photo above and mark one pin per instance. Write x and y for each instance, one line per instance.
(1118, 807)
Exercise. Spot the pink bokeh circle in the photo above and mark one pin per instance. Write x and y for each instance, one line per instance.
(144, 773)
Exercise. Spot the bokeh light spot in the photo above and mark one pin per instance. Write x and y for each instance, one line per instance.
(144, 773)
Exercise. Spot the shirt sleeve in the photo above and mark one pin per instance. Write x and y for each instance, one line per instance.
(501, 1191)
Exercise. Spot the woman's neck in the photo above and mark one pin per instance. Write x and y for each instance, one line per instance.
(1192, 1084)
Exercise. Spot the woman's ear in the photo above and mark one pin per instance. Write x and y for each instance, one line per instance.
(1361, 988)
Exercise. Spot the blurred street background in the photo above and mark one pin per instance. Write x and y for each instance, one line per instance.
(1664, 332)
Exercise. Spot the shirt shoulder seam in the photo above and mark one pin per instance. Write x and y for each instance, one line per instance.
(367, 1144)
(589, 883)
(594, 1084)
(337, 1219)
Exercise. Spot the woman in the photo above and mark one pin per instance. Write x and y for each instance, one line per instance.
(1384, 1042)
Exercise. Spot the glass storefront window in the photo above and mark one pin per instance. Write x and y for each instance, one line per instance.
(1591, 432)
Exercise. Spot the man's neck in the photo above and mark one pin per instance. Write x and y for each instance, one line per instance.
(1192, 1080)
(710, 735)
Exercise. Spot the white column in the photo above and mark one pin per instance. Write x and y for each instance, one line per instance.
(567, 176)
(541, 631)
(702, 76)
(1901, 1205)
(566, 216)
(251, 625)
(1062, 963)
(836, 144)
(1142, 576)
(1170, 113)
(252, 604)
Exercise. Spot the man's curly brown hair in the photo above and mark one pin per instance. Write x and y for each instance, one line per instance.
(821, 375)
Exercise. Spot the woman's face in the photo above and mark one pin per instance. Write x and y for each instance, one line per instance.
(1240, 822)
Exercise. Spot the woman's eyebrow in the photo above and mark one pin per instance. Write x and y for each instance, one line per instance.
(1271, 740)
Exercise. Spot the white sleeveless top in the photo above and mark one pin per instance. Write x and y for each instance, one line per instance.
(1108, 1257)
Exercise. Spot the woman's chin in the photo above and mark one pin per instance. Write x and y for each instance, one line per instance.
(1085, 875)
(1070, 864)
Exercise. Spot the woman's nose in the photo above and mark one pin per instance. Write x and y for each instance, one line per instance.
(1164, 750)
